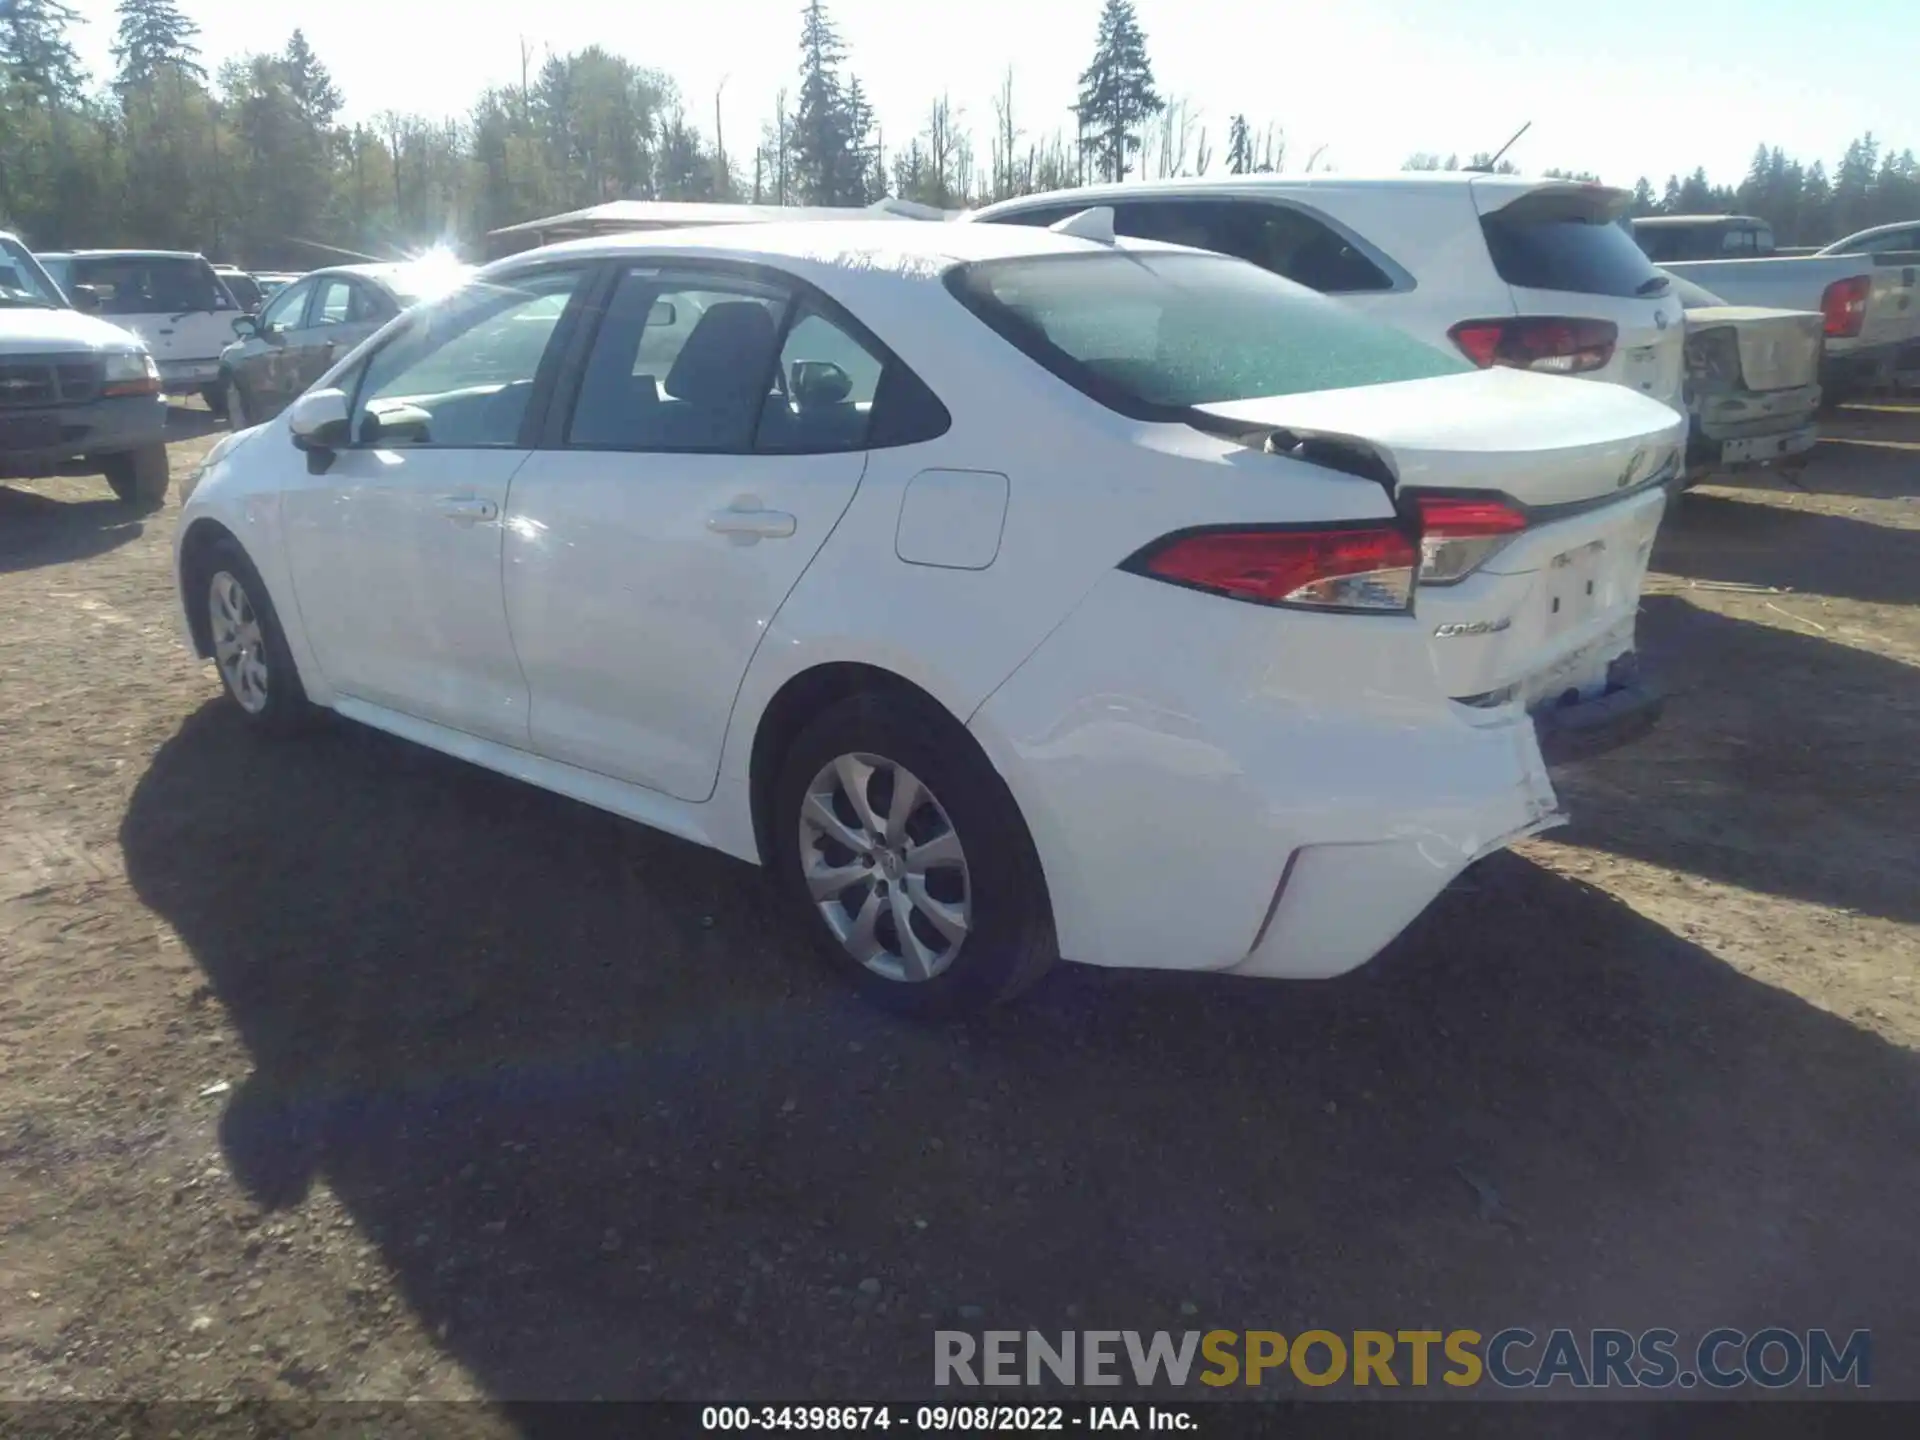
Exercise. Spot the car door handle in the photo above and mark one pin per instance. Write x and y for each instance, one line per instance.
(467, 508)
(745, 526)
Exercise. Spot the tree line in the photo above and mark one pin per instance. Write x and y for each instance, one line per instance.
(255, 163)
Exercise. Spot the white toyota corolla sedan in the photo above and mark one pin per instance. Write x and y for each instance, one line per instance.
(1012, 594)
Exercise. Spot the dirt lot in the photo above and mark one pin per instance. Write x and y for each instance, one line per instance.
(338, 1069)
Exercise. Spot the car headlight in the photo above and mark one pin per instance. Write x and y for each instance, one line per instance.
(131, 372)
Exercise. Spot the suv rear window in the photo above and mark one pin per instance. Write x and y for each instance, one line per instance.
(149, 284)
(1541, 243)
(1150, 333)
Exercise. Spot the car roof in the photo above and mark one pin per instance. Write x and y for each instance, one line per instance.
(1876, 230)
(1661, 222)
(906, 247)
(130, 255)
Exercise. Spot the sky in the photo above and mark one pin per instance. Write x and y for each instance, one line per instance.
(1622, 88)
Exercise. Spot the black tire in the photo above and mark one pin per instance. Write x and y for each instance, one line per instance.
(285, 708)
(235, 408)
(138, 477)
(1009, 942)
(216, 397)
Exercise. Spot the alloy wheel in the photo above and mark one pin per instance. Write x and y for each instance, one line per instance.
(885, 867)
(239, 645)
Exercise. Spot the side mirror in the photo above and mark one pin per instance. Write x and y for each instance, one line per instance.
(819, 382)
(318, 423)
(663, 316)
(86, 298)
(245, 327)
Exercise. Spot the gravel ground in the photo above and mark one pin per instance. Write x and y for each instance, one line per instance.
(339, 1070)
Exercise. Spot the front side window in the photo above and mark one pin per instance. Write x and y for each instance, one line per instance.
(462, 376)
(1151, 334)
(679, 365)
(284, 310)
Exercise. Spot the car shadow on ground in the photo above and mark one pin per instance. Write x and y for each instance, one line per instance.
(40, 530)
(190, 422)
(616, 1136)
(1715, 537)
(1783, 764)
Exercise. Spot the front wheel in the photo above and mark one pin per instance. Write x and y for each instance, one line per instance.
(249, 647)
(233, 404)
(139, 477)
(216, 398)
(906, 857)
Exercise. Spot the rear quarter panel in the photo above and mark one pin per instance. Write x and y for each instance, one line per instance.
(1086, 488)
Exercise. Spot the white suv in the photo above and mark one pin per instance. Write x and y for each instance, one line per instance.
(171, 299)
(1532, 274)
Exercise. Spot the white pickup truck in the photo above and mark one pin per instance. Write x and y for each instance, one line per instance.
(1871, 302)
(75, 391)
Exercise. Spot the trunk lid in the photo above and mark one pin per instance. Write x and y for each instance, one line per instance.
(1778, 349)
(1551, 609)
(1543, 440)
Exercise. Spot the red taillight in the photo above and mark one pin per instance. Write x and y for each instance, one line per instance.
(1460, 533)
(1844, 303)
(1359, 567)
(1537, 342)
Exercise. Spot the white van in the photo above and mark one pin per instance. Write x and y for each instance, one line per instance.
(171, 299)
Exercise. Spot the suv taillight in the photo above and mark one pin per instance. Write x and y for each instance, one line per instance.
(1357, 567)
(1459, 534)
(1548, 343)
(1844, 303)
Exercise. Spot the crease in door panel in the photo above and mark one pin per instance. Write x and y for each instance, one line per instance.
(506, 616)
(866, 463)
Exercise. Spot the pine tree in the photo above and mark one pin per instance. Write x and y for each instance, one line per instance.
(1117, 93)
(35, 52)
(866, 183)
(314, 94)
(154, 36)
(823, 168)
(1644, 202)
(1239, 146)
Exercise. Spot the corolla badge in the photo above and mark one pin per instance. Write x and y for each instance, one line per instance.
(1458, 628)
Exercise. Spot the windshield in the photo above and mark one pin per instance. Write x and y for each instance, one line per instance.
(23, 282)
(1151, 333)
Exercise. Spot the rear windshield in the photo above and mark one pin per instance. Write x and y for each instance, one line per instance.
(1151, 333)
(149, 284)
(1541, 246)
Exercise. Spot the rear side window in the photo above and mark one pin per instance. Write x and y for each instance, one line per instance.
(1279, 238)
(1151, 333)
(1567, 247)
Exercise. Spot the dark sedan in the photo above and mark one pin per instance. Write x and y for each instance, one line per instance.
(302, 330)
